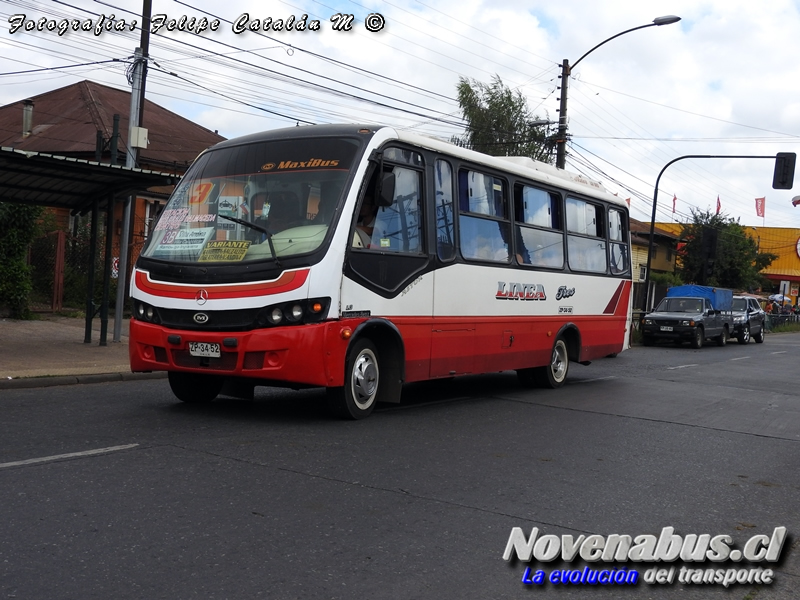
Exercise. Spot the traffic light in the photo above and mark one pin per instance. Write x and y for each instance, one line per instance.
(783, 176)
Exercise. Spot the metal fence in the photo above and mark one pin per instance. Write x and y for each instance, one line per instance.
(60, 265)
(774, 320)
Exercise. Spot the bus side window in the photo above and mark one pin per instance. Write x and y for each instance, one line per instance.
(445, 234)
(395, 228)
(618, 246)
(586, 240)
(540, 241)
(484, 230)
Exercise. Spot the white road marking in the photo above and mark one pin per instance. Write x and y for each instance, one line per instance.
(781, 352)
(680, 367)
(741, 358)
(32, 461)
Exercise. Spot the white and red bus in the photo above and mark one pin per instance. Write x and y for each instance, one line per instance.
(360, 258)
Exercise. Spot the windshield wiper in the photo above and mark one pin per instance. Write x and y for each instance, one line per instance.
(260, 229)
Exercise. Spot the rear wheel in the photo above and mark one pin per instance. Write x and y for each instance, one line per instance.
(357, 398)
(697, 340)
(759, 337)
(744, 334)
(722, 338)
(195, 388)
(555, 374)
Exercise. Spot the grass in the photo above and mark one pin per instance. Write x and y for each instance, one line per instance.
(786, 328)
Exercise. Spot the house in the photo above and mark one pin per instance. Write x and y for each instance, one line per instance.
(663, 260)
(70, 120)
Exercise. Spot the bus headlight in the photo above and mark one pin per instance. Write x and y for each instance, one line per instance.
(314, 310)
(144, 312)
(296, 313)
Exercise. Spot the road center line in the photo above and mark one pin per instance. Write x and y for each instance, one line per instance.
(781, 352)
(680, 367)
(741, 358)
(32, 461)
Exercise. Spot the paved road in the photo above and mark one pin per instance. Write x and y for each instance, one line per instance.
(273, 499)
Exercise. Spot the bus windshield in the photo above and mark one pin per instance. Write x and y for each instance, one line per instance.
(260, 201)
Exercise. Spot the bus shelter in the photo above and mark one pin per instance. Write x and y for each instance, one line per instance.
(82, 186)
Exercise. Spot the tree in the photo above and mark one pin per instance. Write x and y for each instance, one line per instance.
(718, 251)
(499, 121)
(18, 226)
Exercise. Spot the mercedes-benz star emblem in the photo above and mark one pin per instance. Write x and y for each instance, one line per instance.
(201, 297)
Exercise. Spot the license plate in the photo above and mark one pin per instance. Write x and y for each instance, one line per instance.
(666, 328)
(205, 349)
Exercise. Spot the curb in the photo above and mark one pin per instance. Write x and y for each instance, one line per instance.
(39, 382)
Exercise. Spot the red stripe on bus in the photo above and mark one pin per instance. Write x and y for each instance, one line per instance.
(622, 306)
(287, 282)
(612, 304)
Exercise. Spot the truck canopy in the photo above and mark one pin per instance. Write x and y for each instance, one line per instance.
(720, 298)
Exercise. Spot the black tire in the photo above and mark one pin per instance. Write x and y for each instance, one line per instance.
(357, 399)
(648, 340)
(698, 338)
(555, 374)
(722, 338)
(195, 388)
(759, 337)
(744, 334)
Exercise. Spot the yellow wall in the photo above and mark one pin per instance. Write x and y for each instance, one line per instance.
(782, 241)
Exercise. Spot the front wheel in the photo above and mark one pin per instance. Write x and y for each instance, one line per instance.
(357, 398)
(195, 388)
(699, 337)
(555, 374)
(744, 334)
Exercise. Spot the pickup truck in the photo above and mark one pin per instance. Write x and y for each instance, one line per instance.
(690, 313)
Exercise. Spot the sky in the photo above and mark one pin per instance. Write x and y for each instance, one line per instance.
(723, 81)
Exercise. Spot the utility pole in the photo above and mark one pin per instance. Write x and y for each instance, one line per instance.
(135, 118)
(566, 70)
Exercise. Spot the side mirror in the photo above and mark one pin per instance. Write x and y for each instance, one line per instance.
(386, 195)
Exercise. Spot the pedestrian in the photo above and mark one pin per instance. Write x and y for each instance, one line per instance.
(768, 307)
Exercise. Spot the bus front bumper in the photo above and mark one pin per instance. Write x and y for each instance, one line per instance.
(304, 354)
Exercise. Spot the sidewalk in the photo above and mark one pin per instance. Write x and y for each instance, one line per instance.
(51, 351)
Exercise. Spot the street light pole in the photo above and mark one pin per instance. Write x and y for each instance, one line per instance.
(566, 71)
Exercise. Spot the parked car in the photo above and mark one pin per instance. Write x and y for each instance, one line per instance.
(690, 313)
(748, 320)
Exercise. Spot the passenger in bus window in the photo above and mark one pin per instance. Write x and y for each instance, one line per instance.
(365, 225)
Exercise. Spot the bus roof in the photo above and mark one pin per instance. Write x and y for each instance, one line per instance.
(520, 165)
